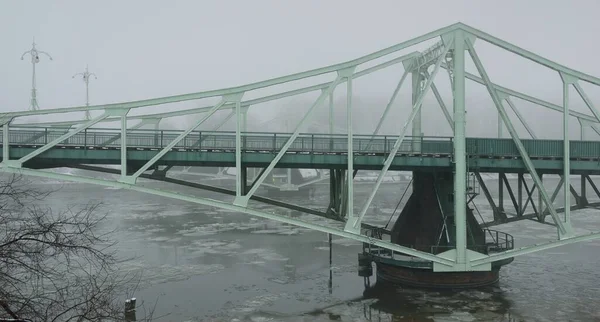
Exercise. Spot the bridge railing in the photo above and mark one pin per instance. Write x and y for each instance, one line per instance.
(314, 143)
(306, 142)
(535, 148)
(495, 241)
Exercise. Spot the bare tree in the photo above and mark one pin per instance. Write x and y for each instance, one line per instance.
(55, 266)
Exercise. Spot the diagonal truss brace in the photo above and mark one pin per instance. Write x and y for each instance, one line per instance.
(242, 200)
(224, 205)
(107, 113)
(143, 122)
(586, 99)
(564, 231)
(354, 225)
(388, 106)
(215, 128)
(133, 178)
(519, 116)
(440, 101)
(528, 98)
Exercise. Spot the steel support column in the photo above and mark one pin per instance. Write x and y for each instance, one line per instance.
(124, 145)
(567, 80)
(331, 113)
(5, 142)
(459, 145)
(347, 73)
(583, 193)
(238, 150)
(500, 192)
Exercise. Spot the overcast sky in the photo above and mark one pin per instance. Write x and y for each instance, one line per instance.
(143, 49)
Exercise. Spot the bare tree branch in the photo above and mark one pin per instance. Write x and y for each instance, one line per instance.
(56, 266)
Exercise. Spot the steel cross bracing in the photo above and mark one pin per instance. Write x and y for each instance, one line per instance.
(455, 44)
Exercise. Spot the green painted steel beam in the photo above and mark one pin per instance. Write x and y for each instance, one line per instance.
(234, 208)
(527, 54)
(247, 87)
(65, 157)
(529, 98)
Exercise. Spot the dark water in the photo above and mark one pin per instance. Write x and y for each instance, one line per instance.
(204, 264)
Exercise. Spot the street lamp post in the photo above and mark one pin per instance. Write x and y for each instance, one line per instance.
(86, 79)
(35, 58)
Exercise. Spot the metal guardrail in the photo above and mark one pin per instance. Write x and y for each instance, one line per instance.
(305, 142)
(495, 241)
(319, 143)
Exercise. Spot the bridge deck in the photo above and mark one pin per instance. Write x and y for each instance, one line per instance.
(99, 146)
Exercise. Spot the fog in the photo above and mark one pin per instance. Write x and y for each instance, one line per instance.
(147, 49)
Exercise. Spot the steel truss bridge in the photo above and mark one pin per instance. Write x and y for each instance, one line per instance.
(31, 148)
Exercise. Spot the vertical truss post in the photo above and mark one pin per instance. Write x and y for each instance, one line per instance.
(331, 113)
(540, 201)
(354, 225)
(500, 192)
(581, 129)
(520, 180)
(583, 193)
(5, 142)
(238, 151)
(459, 144)
(124, 143)
(242, 201)
(563, 230)
(244, 179)
(239, 189)
(244, 117)
(347, 73)
(567, 80)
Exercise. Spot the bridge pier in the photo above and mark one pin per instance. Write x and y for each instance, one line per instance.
(427, 223)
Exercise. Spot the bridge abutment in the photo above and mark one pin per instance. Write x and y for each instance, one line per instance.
(427, 223)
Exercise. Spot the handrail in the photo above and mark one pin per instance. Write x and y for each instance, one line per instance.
(282, 134)
(305, 142)
(501, 241)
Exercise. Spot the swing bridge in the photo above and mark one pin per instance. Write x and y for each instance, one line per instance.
(435, 232)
